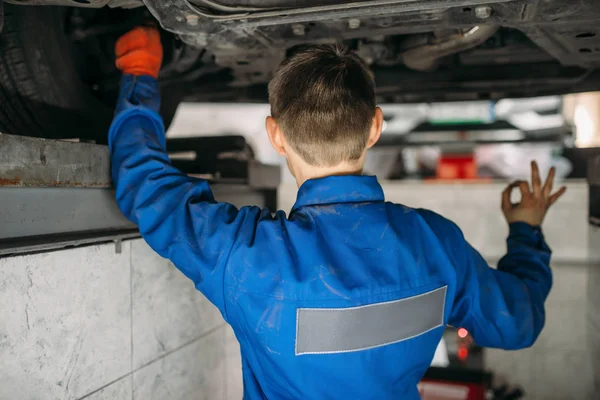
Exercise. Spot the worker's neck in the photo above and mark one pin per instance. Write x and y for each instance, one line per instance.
(304, 172)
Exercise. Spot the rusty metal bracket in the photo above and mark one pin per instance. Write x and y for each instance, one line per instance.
(35, 162)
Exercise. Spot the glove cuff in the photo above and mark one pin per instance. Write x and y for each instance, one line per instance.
(138, 63)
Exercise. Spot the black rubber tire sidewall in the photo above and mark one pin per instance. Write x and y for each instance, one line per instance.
(41, 93)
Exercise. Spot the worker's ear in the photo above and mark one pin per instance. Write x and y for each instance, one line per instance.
(275, 135)
(376, 126)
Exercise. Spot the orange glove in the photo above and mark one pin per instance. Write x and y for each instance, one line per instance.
(139, 52)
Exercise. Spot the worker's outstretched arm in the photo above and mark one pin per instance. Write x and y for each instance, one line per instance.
(176, 214)
(504, 308)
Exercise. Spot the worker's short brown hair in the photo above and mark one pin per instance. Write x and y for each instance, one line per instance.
(323, 98)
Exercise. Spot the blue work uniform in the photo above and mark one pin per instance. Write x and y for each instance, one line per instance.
(347, 296)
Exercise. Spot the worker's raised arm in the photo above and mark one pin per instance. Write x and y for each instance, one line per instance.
(176, 214)
(503, 307)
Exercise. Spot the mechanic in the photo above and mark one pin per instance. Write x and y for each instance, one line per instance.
(346, 297)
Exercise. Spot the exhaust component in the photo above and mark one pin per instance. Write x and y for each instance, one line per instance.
(425, 57)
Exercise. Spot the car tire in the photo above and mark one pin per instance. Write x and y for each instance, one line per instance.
(41, 92)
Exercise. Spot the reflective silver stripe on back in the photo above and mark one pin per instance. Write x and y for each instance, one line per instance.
(341, 330)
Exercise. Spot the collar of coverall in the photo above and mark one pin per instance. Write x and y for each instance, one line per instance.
(339, 189)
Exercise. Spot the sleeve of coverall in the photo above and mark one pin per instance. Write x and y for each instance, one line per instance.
(176, 214)
(501, 307)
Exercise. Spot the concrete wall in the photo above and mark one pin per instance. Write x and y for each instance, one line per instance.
(90, 323)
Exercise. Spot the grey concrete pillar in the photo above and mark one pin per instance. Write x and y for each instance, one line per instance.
(593, 293)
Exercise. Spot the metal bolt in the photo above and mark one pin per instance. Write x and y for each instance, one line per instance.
(483, 12)
(298, 29)
(354, 23)
(201, 40)
(192, 19)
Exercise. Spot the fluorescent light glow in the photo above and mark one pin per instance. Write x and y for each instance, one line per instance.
(585, 127)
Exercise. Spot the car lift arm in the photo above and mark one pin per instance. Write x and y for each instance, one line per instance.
(56, 194)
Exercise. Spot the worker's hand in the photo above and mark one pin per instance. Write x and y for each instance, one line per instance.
(139, 52)
(535, 200)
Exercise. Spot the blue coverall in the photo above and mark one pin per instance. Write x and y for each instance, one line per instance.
(294, 288)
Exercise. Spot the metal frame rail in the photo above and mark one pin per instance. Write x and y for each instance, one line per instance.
(57, 194)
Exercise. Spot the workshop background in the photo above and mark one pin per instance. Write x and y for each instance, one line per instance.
(120, 322)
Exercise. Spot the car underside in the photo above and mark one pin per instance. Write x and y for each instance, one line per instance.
(419, 50)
